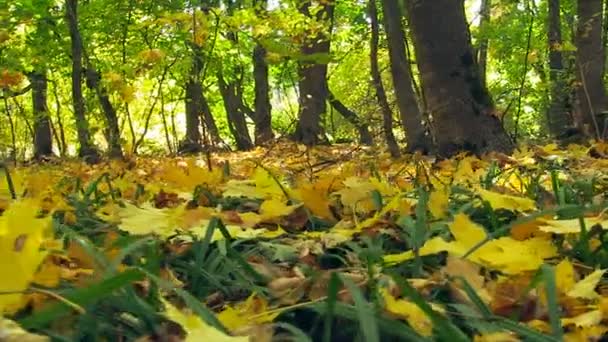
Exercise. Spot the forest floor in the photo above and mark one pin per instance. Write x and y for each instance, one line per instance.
(290, 243)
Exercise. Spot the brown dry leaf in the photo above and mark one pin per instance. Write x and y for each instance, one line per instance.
(458, 267)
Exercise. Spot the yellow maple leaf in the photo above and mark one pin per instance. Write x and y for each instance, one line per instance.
(262, 185)
(253, 311)
(409, 311)
(10, 331)
(501, 201)
(146, 220)
(273, 208)
(587, 319)
(564, 276)
(356, 194)
(496, 337)
(438, 202)
(505, 254)
(571, 226)
(315, 196)
(21, 237)
(196, 329)
(585, 288)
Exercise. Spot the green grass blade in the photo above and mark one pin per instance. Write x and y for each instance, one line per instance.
(365, 315)
(333, 287)
(444, 328)
(191, 302)
(552, 301)
(475, 299)
(82, 296)
(527, 333)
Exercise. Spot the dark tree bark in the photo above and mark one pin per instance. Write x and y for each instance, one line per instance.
(234, 111)
(87, 149)
(460, 105)
(262, 108)
(558, 118)
(209, 126)
(192, 143)
(365, 136)
(410, 114)
(313, 75)
(43, 140)
(482, 52)
(112, 131)
(387, 114)
(590, 58)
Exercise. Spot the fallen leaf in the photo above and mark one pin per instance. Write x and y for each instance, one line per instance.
(196, 329)
(586, 287)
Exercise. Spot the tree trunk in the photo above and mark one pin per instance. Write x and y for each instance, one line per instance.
(411, 117)
(313, 75)
(209, 126)
(43, 140)
(112, 129)
(387, 115)
(365, 137)
(192, 143)
(262, 116)
(590, 55)
(236, 118)
(232, 94)
(482, 53)
(557, 115)
(87, 150)
(460, 105)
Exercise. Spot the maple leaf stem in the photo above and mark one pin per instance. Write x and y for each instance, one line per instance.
(60, 298)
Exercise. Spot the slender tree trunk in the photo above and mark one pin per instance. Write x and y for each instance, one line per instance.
(112, 129)
(410, 114)
(557, 115)
(236, 118)
(365, 136)
(482, 53)
(231, 90)
(387, 115)
(87, 150)
(209, 124)
(590, 58)
(62, 141)
(313, 75)
(263, 118)
(461, 106)
(43, 140)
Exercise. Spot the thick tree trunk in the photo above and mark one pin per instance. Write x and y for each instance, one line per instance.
(460, 105)
(590, 55)
(112, 130)
(43, 140)
(237, 123)
(482, 52)
(558, 118)
(192, 143)
(387, 115)
(312, 77)
(365, 136)
(410, 114)
(262, 116)
(195, 107)
(87, 150)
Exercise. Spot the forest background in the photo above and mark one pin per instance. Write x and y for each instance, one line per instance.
(131, 77)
